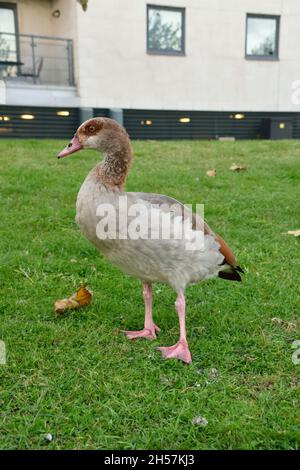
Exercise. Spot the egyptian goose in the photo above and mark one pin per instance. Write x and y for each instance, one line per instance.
(150, 260)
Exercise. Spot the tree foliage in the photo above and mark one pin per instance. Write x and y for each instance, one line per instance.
(163, 35)
(84, 4)
(266, 47)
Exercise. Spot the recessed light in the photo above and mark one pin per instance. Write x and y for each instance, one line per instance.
(146, 122)
(27, 117)
(63, 113)
(4, 118)
(185, 119)
(239, 116)
(282, 125)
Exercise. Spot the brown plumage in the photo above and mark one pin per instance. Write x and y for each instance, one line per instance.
(176, 262)
(115, 140)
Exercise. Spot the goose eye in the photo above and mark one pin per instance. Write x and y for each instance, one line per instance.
(92, 129)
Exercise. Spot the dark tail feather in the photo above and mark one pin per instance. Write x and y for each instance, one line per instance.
(232, 275)
(240, 270)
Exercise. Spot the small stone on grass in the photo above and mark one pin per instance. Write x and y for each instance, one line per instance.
(200, 421)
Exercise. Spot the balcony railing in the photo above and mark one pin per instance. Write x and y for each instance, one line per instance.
(43, 60)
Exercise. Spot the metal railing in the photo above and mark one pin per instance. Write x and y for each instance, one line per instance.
(44, 60)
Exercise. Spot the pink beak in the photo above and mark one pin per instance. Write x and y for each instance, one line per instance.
(72, 147)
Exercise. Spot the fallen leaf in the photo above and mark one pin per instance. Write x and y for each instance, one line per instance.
(296, 233)
(295, 383)
(80, 299)
(287, 325)
(213, 375)
(277, 320)
(235, 167)
(211, 173)
(265, 384)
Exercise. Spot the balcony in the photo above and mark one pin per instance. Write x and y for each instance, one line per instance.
(36, 60)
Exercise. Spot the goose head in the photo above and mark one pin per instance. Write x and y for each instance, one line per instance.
(102, 134)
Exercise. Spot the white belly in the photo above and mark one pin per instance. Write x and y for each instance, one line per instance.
(166, 261)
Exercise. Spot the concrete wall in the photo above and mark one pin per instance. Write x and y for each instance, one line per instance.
(34, 17)
(113, 69)
(38, 95)
(66, 25)
(116, 71)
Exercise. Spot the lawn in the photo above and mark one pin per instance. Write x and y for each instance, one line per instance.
(78, 378)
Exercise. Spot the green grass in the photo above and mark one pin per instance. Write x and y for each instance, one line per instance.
(78, 378)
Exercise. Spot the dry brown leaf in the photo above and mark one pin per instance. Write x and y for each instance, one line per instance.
(296, 233)
(278, 321)
(235, 167)
(211, 173)
(80, 299)
(287, 325)
(295, 383)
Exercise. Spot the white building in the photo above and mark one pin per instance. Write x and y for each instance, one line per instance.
(167, 68)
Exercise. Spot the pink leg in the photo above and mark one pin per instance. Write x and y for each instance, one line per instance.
(149, 327)
(180, 350)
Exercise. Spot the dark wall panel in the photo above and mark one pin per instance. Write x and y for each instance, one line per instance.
(202, 125)
(100, 112)
(46, 122)
(141, 124)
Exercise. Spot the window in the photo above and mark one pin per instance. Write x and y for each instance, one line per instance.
(165, 30)
(262, 37)
(8, 42)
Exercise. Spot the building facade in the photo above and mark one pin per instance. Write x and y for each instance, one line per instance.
(165, 68)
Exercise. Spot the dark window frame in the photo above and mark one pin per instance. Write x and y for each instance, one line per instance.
(11, 6)
(14, 8)
(274, 57)
(169, 52)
